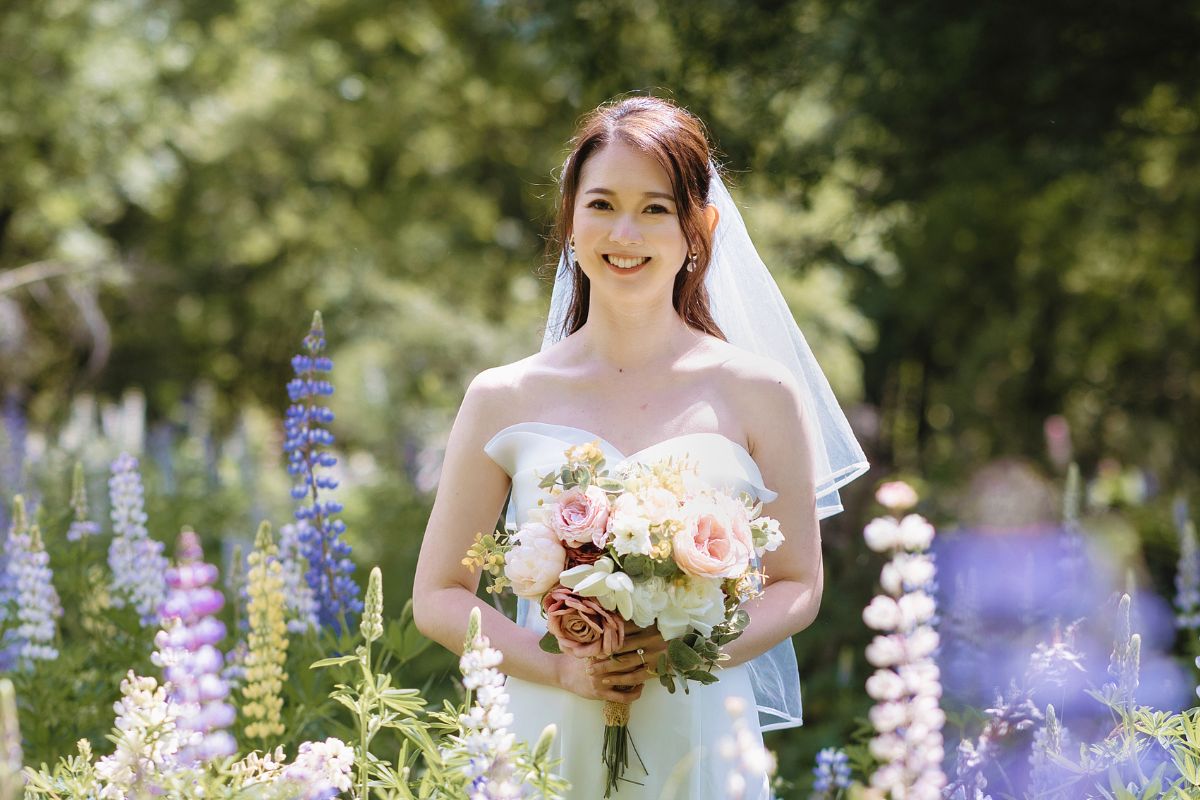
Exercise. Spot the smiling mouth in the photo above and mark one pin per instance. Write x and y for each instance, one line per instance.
(625, 263)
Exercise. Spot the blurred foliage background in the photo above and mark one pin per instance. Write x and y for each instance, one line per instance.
(983, 214)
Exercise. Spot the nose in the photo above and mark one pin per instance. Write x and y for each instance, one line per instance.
(625, 232)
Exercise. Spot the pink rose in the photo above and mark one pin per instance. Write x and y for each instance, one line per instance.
(581, 625)
(708, 546)
(739, 521)
(580, 517)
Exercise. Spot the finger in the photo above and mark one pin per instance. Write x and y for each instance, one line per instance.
(634, 677)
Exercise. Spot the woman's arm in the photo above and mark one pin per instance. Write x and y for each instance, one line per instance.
(470, 494)
(780, 438)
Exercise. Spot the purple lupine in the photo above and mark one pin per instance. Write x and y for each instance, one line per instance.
(832, 773)
(188, 654)
(136, 560)
(32, 597)
(14, 434)
(81, 527)
(328, 556)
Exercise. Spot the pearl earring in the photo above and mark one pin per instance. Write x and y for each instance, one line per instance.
(691, 267)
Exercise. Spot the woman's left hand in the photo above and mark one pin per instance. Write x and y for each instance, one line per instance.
(629, 667)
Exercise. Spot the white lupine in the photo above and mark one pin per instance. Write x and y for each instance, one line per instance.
(137, 561)
(906, 686)
(147, 738)
(37, 604)
(748, 758)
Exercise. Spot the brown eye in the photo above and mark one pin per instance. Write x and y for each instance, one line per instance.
(661, 209)
(594, 202)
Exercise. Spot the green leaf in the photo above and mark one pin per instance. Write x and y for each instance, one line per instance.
(683, 657)
(550, 644)
(332, 662)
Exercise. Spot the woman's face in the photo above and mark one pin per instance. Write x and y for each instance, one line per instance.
(628, 240)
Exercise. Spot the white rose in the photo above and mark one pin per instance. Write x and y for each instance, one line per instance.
(692, 603)
(882, 534)
(915, 532)
(649, 598)
(534, 564)
(916, 607)
(886, 651)
(628, 530)
(659, 505)
(883, 614)
(885, 685)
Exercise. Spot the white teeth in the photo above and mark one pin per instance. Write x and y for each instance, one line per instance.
(626, 263)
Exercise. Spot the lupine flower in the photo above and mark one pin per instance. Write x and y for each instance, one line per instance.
(1050, 739)
(81, 527)
(321, 769)
(14, 432)
(187, 653)
(906, 686)
(1125, 662)
(1007, 716)
(832, 773)
(136, 560)
(751, 761)
(485, 738)
(1055, 663)
(328, 556)
(148, 740)
(302, 612)
(28, 577)
(1187, 579)
(262, 701)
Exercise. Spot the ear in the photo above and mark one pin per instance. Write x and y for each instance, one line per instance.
(711, 216)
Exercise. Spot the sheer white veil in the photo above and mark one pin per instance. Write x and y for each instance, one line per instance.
(750, 310)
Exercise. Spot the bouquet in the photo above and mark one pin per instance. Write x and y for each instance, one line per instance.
(649, 545)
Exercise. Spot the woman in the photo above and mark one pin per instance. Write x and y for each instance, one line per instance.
(635, 359)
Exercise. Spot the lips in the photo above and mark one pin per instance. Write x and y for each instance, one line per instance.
(624, 262)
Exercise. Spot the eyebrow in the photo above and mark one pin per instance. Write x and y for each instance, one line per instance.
(644, 194)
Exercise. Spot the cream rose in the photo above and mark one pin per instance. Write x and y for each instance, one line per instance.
(578, 517)
(534, 564)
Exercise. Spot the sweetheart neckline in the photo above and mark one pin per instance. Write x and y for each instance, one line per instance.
(618, 450)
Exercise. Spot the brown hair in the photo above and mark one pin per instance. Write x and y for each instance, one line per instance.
(675, 138)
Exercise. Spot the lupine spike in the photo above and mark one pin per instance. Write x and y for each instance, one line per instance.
(81, 527)
(262, 700)
(136, 560)
(372, 620)
(329, 565)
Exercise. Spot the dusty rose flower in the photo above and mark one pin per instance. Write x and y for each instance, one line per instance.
(579, 517)
(708, 546)
(896, 496)
(581, 625)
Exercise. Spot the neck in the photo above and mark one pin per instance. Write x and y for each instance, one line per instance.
(631, 339)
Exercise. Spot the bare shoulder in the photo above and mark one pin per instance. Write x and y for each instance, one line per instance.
(495, 396)
(762, 391)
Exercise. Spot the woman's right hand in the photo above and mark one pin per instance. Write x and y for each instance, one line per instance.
(578, 676)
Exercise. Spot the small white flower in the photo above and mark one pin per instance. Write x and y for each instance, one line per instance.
(922, 642)
(883, 614)
(882, 534)
(658, 505)
(887, 747)
(916, 608)
(649, 599)
(695, 603)
(886, 651)
(613, 590)
(896, 496)
(915, 533)
(886, 717)
(629, 529)
(885, 685)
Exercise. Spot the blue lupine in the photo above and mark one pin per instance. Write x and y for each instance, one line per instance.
(328, 556)
(81, 527)
(31, 596)
(14, 434)
(302, 612)
(136, 560)
(188, 655)
(832, 773)
(1187, 573)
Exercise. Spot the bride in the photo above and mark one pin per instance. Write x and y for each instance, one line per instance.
(666, 336)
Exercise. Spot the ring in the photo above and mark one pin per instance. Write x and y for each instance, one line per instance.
(642, 655)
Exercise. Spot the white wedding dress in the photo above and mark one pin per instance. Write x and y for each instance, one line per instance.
(678, 736)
